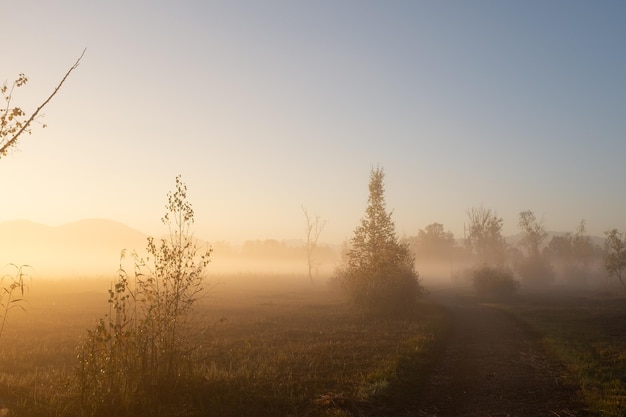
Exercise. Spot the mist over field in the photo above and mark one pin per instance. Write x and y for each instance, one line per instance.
(194, 233)
(91, 248)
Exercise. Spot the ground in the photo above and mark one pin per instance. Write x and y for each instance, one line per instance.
(493, 365)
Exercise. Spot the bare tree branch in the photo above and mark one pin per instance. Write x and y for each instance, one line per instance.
(11, 142)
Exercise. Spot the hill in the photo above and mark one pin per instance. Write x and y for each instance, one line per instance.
(85, 247)
(92, 247)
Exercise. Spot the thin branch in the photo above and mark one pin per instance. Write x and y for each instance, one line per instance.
(13, 140)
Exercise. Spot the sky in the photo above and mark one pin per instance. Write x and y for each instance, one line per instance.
(266, 107)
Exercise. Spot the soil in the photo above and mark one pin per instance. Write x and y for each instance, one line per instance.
(493, 366)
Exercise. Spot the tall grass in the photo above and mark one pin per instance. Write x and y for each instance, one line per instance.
(262, 350)
(141, 351)
(12, 288)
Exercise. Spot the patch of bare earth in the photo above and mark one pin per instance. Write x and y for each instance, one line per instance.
(491, 366)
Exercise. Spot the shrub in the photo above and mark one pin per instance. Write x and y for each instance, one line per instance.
(393, 289)
(495, 282)
(536, 271)
(141, 352)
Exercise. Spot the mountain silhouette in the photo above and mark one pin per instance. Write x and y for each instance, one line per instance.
(85, 247)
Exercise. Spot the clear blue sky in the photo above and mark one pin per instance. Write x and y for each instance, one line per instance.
(267, 106)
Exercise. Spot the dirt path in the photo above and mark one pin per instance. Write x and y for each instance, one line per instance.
(491, 366)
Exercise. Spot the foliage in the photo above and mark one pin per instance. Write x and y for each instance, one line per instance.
(495, 282)
(14, 121)
(574, 254)
(534, 233)
(141, 351)
(379, 271)
(11, 286)
(535, 269)
(484, 235)
(560, 247)
(615, 258)
(582, 248)
(433, 243)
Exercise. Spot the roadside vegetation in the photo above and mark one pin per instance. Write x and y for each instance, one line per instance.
(586, 331)
(15, 122)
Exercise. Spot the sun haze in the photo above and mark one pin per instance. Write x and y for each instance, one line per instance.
(265, 107)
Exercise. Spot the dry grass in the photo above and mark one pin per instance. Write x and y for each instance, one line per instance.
(586, 331)
(266, 347)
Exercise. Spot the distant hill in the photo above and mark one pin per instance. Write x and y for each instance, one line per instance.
(90, 246)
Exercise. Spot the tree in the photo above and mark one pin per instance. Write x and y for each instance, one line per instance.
(582, 249)
(573, 254)
(142, 351)
(434, 242)
(534, 233)
(535, 269)
(560, 247)
(615, 258)
(313, 230)
(14, 121)
(484, 235)
(379, 272)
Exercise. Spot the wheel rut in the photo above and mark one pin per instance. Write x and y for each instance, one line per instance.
(492, 366)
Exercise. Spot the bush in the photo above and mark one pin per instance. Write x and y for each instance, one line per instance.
(140, 354)
(536, 271)
(495, 282)
(389, 290)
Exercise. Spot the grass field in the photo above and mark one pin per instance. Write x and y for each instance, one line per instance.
(267, 346)
(587, 332)
(279, 346)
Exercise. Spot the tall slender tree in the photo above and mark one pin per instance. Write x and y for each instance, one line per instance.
(379, 272)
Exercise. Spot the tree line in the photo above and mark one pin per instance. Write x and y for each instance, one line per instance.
(143, 352)
(536, 258)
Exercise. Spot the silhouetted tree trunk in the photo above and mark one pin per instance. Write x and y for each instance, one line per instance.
(313, 231)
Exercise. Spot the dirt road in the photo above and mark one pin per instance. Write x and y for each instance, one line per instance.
(491, 366)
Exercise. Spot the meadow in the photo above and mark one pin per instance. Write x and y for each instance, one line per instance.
(585, 330)
(265, 346)
(277, 345)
